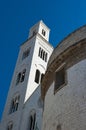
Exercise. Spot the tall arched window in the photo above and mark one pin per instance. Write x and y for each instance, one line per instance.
(21, 76)
(32, 121)
(37, 76)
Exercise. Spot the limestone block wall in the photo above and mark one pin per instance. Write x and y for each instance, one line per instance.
(67, 107)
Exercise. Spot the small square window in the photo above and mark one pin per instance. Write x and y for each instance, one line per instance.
(59, 79)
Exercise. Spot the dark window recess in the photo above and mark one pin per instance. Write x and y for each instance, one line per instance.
(37, 76)
(21, 77)
(60, 78)
(58, 127)
(42, 54)
(43, 32)
(14, 104)
(46, 57)
(34, 32)
(39, 52)
(10, 126)
(32, 121)
(26, 53)
(42, 75)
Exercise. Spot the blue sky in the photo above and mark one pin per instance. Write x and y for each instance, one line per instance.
(16, 18)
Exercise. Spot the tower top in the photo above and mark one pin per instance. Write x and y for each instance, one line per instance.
(41, 29)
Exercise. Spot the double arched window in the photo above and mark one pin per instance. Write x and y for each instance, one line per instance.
(38, 76)
(20, 76)
(42, 54)
(14, 104)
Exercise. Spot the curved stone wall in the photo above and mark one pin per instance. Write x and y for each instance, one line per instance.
(65, 109)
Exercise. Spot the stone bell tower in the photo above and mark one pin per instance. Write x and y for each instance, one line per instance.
(29, 71)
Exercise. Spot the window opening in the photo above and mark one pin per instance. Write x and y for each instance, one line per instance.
(37, 76)
(42, 54)
(23, 75)
(59, 78)
(32, 121)
(26, 53)
(14, 104)
(42, 75)
(43, 32)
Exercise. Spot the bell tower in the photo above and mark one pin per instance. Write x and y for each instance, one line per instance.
(29, 71)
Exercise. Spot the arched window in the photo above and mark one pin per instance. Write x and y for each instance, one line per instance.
(37, 76)
(14, 104)
(10, 126)
(32, 120)
(21, 76)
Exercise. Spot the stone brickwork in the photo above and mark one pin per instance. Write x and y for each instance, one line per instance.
(67, 107)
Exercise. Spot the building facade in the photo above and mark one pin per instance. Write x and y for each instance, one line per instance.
(23, 109)
(64, 85)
